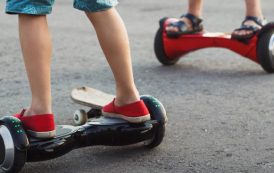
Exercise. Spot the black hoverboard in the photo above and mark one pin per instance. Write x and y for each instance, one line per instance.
(16, 147)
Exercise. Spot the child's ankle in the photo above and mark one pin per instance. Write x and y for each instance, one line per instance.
(125, 101)
(126, 97)
(33, 111)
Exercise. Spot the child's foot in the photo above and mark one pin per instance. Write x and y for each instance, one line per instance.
(136, 112)
(39, 126)
(250, 26)
(187, 24)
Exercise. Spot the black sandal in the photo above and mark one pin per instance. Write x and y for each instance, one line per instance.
(182, 28)
(254, 29)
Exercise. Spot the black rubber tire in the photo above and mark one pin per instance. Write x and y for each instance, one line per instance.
(18, 162)
(20, 142)
(2, 150)
(160, 51)
(157, 112)
(265, 58)
(158, 138)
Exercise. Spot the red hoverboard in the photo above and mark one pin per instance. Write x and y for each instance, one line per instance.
(260, 48)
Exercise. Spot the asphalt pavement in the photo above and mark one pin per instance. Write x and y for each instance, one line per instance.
(220, 105)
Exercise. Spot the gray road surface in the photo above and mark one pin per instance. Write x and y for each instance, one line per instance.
(220, 105)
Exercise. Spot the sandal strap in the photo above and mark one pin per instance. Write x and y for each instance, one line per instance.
(179, 24)
(255, 19)
(195, 21)
(248, 28)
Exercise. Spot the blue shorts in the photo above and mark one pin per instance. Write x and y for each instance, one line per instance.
(43, 7)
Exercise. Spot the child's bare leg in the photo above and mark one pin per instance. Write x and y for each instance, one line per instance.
(194, 8)
(253, 8)
(36, 47)
(113, 39)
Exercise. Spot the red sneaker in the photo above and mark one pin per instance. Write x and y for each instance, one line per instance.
(136, 112)
(39, 126)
